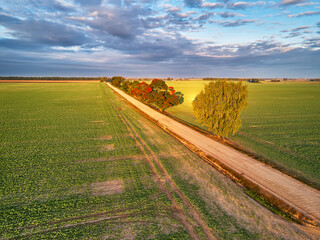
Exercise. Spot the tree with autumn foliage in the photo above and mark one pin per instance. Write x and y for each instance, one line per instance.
(163, 96)
(141, 91)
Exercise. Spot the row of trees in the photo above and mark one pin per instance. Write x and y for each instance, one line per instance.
(224, 79)
(157, 93)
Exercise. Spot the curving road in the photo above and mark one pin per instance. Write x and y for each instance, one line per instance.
(296, 194)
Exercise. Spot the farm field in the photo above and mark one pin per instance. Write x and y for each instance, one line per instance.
(281, 124)
(77, 162)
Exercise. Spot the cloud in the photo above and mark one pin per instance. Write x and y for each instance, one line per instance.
(306, 4)
(154, 22)
(291, 2)
(120, 22)
(229, 14)
(49, 6)
(6, 19)
(296, 29)
(89, 2)
(312, 43)
(265, 47)
(19, 44)
(212, 5)
(174, 9)
(155, 47)
(244, 5)
(172, 58)
(296, 32)
(193, 3)
(173, 21)
(203, 17)
(42, 31)
(310, 13)
(89, 38)
(300, 28)
(235, 23)
(54, 5)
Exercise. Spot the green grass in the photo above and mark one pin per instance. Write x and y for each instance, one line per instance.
(281, 124)
(51, 152)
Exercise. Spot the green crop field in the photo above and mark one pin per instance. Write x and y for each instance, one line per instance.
(281, 124)
(77, 162)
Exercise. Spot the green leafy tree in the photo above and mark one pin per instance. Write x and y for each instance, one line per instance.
(163, 96)
(219, 105)
(254, 80)
(158, 85)
(117, 80)
(132, 85)
(124, 86)
(163, 100)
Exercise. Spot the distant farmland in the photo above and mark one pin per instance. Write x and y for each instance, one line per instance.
(77, 162)
(281, 124)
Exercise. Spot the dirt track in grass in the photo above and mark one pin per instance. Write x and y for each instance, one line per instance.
(295, 194)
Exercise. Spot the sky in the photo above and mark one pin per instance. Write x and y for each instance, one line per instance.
(160, 38)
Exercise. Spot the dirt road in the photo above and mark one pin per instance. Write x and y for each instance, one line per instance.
(299, 196)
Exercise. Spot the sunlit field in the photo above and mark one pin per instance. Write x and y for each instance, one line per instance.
(281, 123)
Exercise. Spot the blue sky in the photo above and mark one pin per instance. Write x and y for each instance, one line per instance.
(160, 38)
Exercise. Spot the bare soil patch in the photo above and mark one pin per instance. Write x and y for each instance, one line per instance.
(109, 147)
(106, 188)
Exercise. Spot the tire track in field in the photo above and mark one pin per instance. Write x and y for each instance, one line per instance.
(87, 216)
(87, 219)
(110, 219)
(152, 160)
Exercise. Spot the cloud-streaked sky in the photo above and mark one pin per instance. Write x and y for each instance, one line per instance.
(160, 38)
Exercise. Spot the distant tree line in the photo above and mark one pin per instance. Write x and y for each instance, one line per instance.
(51, 78)
(157, 93)
(254, 80)
(224, 79)
(104, 79)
